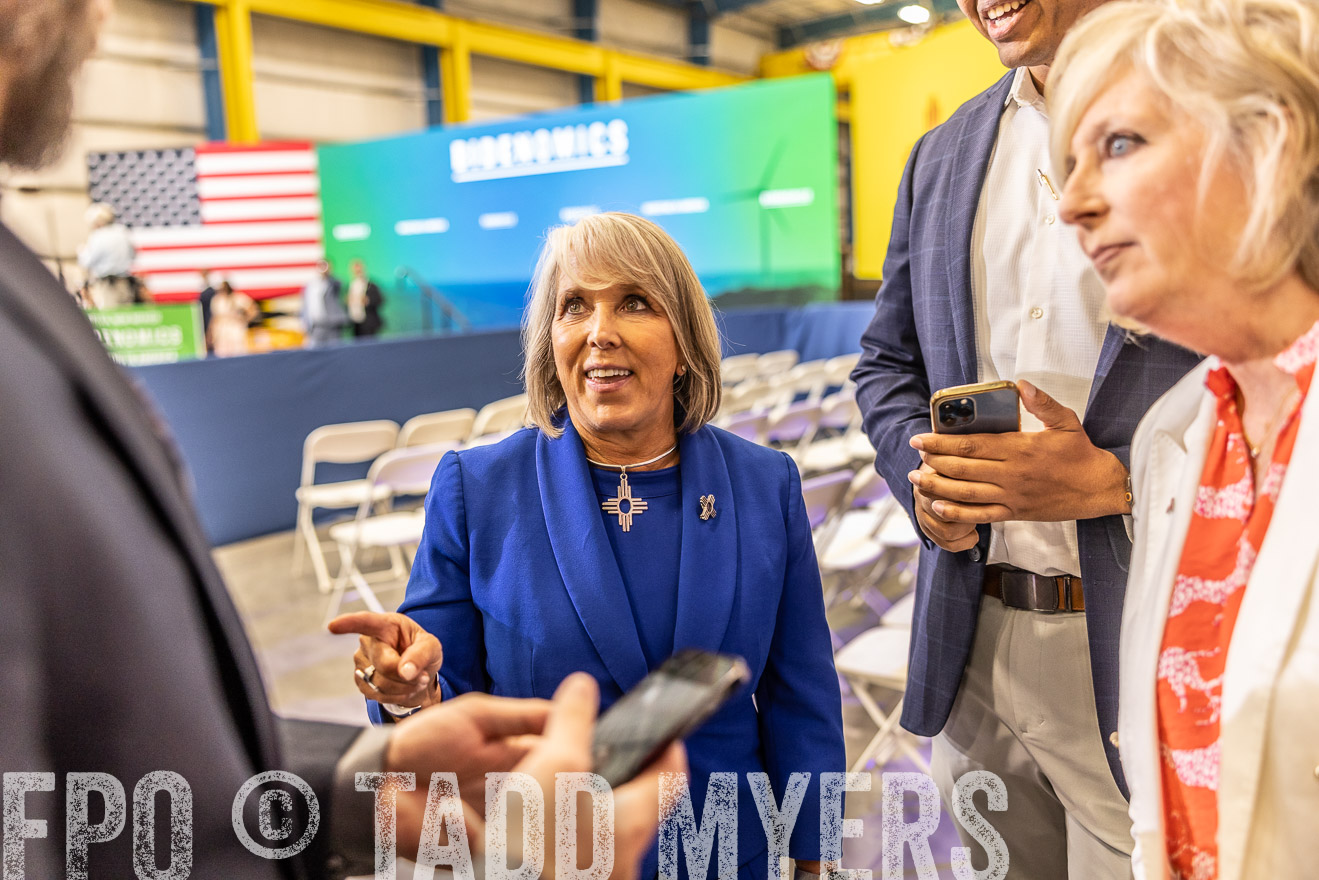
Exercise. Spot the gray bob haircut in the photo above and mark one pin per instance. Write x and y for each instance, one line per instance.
(615, 248)
(1248, 72)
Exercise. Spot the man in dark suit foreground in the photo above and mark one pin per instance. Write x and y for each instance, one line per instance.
(122, 651)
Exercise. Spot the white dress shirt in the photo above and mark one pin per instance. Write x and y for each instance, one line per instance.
(108, 253)
(357, 300)
(313, 302)
(1038, 303)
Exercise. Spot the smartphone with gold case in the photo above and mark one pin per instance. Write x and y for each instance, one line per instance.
(982, 408)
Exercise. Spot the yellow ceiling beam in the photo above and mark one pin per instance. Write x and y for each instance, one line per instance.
(233, 36)
(609, 86)
(456, 81)
(853, 53)
(379, 18)
(413, 23)
(542, 50)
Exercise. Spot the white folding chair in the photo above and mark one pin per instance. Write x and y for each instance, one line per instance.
(838, 412)
(751, 395)
(792, 429)
(396, 472)
(900, 612)
(450, 426)
(500, 417)
(774, 363)
(824, 496)
(343, 443)
(753, 426)
(738, 368)
(810, 378)
(840, 369)
(873, 547)
(859, 445)
(875, 662)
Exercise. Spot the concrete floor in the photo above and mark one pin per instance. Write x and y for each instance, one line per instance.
(308, 674)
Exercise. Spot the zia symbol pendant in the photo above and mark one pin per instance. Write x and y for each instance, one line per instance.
(615, 506)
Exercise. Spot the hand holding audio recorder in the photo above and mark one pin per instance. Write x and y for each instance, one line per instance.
(670, 703)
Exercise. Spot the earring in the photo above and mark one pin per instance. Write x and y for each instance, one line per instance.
(682, 370)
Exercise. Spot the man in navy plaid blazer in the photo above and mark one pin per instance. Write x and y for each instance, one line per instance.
(1013, 664)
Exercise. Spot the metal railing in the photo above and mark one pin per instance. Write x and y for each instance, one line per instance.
(452, 320)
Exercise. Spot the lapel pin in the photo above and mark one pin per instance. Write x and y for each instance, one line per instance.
(707, 507)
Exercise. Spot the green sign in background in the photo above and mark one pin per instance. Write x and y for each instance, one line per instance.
(139, 335)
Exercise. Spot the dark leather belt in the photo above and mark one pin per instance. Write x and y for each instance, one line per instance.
(1017, 588)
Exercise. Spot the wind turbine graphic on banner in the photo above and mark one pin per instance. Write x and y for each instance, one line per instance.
(770, 200)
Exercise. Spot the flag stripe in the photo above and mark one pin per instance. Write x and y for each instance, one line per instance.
(246, 163)
(260, 209)
(150, 238)
(258, 185)
(246, 255)
(257, 293)
(263, 147)
(289, 279)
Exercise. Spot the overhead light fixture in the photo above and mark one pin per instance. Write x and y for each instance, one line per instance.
(914, 14)
(869, 2)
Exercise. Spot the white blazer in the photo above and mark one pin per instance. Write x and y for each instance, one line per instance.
(1268, 795)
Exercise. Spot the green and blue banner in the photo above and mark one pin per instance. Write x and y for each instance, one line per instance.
(140, 335)
(744, 178)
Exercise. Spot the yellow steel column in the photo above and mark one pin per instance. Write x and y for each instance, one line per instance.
(456, 78)
(609, 84)
(233, 33)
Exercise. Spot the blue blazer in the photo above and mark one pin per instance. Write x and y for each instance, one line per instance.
(516, 577)
(921, 339)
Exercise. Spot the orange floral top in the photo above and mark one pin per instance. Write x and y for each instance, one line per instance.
(1227, 528)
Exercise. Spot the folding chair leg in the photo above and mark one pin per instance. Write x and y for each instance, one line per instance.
(341, 582)
(886, 722)
(299, 541)
(908, 747)
(313, 541)
(396, 566)
(365, 593)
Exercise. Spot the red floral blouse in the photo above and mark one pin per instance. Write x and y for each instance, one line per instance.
(1227, 528)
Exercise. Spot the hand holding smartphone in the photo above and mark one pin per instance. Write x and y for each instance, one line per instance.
(670, 703)
(982, 408)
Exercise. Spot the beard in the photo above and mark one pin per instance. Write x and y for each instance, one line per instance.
(38, 99)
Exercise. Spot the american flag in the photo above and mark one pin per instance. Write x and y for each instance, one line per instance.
(248, 214)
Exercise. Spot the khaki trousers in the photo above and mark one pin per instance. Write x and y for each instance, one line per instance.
(1026, 711)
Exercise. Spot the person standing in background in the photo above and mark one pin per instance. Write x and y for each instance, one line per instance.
(107, 257)
(364, 301)
(231, 312)
(323, 316)
(1013, 665)
(204, 298)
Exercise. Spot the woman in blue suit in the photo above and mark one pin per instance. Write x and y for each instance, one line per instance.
(620, 529)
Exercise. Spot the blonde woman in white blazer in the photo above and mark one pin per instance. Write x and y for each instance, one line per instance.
(1187, 132)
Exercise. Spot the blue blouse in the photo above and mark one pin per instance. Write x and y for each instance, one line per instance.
(648, 554)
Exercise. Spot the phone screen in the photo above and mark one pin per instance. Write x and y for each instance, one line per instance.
(667, 705)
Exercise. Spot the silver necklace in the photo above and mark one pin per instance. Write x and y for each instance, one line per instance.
(614, 506)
